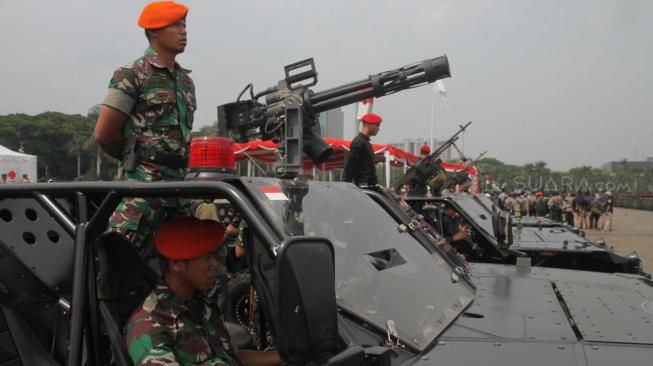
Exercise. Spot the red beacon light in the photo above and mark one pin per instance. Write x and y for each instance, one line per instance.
(211, 155)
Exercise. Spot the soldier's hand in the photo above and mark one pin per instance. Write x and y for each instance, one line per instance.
(231, 230)
(463, 233)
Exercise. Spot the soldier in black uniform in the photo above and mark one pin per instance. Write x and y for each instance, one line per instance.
(424, 152)
(360, 164)
(452, 228)
(458, 233)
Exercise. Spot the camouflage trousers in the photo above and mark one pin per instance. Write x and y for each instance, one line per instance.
(139, 218)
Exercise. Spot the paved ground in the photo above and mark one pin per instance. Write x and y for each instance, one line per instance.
(632, 231)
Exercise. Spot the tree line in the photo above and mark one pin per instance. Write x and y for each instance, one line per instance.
(63, 143)
(538, 176)
(66, 150)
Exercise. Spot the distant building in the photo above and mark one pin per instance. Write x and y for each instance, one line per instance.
(413, 146)
(613, 165)
(332, 124)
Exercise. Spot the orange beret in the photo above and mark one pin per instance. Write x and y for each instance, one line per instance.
(161, 14)
(188, 238)
(372, 118)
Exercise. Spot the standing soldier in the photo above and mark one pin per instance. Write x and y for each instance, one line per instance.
(542, 202)
(501, 200)
(608, 212)
(569, 209)
(555, 207)
(525, 204)
(360, 163)
(579, 210)
(146, 119)
(517, 206)
(424, 152)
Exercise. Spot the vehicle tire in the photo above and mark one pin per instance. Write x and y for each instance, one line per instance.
(238, 310)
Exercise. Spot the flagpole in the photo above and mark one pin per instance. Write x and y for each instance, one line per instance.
(356, 121)
(439, 88)
(431, 142)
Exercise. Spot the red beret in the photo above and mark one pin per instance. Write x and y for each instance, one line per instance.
(425, 149)
(161, 14)
(188, 238)
(372, 118)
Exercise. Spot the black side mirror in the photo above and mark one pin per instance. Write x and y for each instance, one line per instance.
(509, 229)
(502, 228)
(306, 298)
(497, 228)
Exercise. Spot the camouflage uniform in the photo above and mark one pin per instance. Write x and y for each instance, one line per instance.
(167, 330)
(220, 291)
(159, 104)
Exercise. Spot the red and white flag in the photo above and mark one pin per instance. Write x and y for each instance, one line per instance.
(439, 88)
(274, 193)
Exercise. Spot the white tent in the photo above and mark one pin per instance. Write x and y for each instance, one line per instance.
(15, 164)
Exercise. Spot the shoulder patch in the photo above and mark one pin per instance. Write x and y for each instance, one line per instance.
(150, 303)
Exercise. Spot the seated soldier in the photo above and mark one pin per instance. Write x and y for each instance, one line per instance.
(207, 210)
(452, 229)
(176, 325)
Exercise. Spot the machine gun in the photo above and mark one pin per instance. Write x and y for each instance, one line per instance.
(290, 110)
(419, 174)
(460, 176)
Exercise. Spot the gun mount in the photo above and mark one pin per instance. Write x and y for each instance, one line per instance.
(460, 177)
(291, 108)
(428, 170)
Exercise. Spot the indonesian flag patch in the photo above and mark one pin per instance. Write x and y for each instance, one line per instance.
(274, 193)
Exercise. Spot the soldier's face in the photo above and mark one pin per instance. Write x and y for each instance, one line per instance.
(172, 37)
(200, 273)
(450, 211)
(371, 129)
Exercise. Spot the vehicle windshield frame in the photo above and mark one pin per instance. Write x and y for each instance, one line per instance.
(472, 210)
(376, 270)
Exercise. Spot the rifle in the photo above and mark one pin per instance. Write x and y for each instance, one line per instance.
(458, 176)
(290, 110)
(420, 173)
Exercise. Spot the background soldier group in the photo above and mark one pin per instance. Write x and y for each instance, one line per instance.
(581, 210)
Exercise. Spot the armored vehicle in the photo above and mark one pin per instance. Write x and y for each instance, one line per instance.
(342, 276)
(500, 238)
(341, 279)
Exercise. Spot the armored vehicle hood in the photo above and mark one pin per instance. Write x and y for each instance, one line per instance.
(534, 233)
(551, 316)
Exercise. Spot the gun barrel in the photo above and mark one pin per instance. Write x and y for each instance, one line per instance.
(381, 84)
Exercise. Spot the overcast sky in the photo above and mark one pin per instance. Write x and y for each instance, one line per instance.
(566, 82)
